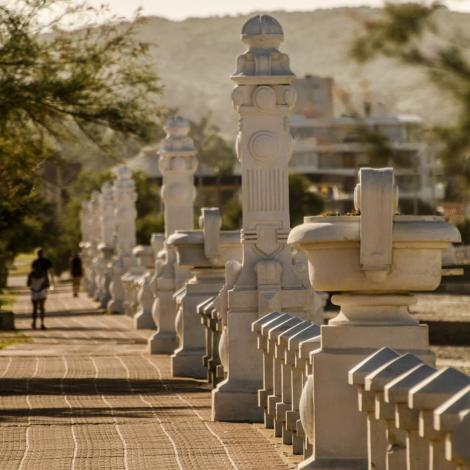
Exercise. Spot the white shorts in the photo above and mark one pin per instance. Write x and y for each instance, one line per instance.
(41, 295)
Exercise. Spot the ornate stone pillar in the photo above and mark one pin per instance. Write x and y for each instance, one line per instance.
(85, 242)
(177, 164)
(124, 197)
(263, 97)
(105, 247)
(94, 241)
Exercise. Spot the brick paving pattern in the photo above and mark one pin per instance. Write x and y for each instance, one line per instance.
(84, 394)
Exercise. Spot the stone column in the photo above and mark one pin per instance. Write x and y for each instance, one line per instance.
(177, 164)
(94, 242)
(85, 242)
(105, 247)
(263, 96)
(124, 197)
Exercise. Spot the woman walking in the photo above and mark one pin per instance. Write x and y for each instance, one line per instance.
(38, 283)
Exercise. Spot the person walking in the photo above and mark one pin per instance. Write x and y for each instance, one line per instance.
(76, 273)
(41, 263)
(38, 282)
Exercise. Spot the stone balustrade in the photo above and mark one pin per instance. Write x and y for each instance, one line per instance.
(284, 341)
(412, 411)
(213, 329)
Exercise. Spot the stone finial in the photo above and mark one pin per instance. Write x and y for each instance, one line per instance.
(263, 35)
(123, 174)
(177, 139)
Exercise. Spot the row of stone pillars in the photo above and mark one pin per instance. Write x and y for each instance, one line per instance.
(191, 265)
(211, 285)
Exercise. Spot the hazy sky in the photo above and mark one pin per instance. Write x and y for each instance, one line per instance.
(180, 9)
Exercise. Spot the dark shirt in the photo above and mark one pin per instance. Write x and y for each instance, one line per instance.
(76, 269)
(42, 265)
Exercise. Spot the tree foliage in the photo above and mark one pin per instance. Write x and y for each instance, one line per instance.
(59, 84)
(409, 34)
(213, 150)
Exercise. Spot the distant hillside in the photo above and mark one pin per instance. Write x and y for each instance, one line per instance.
(195, 58)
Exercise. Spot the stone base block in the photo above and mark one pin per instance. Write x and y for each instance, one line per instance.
(115, 307)
(286, 435)
(143, 321)
(263, 398)
(297, 445)
(268, 421)
(7, 321)
(104, 301)
(219, 372)
(291, 420)
(188, 364)
(273, 400)
(236, 405)
(162, 343)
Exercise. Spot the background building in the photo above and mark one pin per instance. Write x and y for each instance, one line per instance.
(330, 149)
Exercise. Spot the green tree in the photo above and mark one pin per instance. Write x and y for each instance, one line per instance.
(411, 34)
(213, 150)
(65, 234)
(302, 201)
(59, 86)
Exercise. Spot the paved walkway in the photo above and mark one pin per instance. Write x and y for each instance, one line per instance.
(84, 394)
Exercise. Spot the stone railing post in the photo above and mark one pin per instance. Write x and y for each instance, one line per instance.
(263, 97)
(124, 197)
(177, 164)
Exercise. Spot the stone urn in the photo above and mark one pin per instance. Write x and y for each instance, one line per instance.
(376, 258)
(205, 253)
(371, 261)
